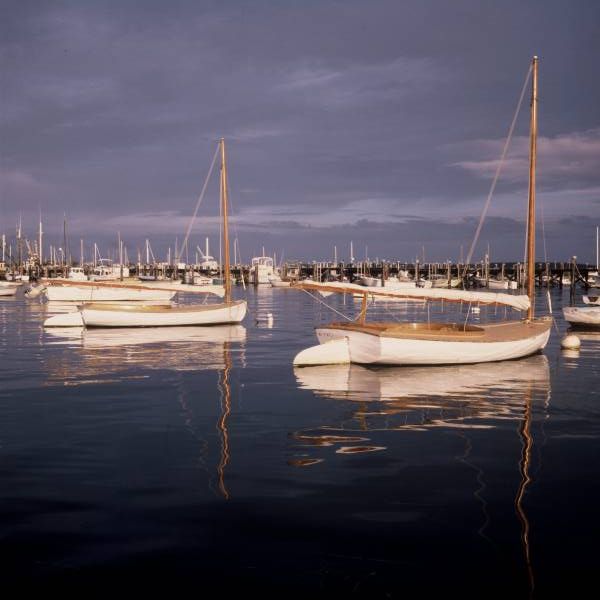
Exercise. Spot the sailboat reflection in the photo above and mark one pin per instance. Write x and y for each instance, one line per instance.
(461, 398)
(456, 396)
(112, 355)
(225, 392)
(106, 356)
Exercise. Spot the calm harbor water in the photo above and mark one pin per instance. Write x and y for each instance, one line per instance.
(200, 459)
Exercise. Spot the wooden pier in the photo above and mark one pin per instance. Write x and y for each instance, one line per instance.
(551, 274)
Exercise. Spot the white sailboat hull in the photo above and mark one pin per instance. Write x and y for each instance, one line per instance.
(369, 281)
(592, 300)
(8, 291)
(73, 293)
(365, 348)
(588, 315)
(493, 284)
(443, 283)
(131, 316)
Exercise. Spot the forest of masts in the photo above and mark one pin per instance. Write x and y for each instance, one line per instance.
(20, 255)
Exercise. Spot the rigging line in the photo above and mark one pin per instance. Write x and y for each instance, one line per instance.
(541, 203)
(221, 274)
(327, 305)
(499, 168)
(200, 198)
(233, 222)
(545, 254)
(235, 229)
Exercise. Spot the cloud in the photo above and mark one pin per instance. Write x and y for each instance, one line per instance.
(23, 185)
(561, 158)
(361, 84)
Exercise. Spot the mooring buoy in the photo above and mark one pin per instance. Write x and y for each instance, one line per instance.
(570, 342)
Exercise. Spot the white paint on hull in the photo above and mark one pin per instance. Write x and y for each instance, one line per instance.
(588, 315)
(333, 352)
(365, 348)
(172, 317)
(104, 294)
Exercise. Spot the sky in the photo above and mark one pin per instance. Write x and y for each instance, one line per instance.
(377, 122)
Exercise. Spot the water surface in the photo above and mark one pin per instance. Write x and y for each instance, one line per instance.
(199, 458)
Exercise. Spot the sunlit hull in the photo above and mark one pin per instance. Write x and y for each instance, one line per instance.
(131, 316)
(503, 341)
(588, 315)
(443, 283)
(279, 283)
(73, 293)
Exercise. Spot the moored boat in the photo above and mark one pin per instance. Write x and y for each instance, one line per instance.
(393, 343)
(229, 311)
(8, 290)
(582, 316)
(61, 291)
(127, 315)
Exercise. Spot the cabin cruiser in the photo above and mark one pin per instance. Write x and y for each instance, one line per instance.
(261, 270)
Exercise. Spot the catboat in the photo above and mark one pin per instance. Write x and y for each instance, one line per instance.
(99, 291)
(127, 315)
(8, 290)
(229, 311)
(581, 317)
(393, 343)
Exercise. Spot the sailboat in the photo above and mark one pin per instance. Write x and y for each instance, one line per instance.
(229, 311)
(8, 289)
(593, 277)
(431, 343)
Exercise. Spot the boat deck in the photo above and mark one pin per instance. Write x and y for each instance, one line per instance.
(496, 332)
(162, 308)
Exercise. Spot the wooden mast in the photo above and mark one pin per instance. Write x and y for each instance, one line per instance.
(531, 214)
(224, 203)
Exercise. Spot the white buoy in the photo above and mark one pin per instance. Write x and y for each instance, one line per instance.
(570, 342)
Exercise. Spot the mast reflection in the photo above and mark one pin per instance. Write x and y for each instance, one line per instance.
(105, 355)
(225, 393)
(460, 398)
(421, 398)
(524, 466)
(110, 355)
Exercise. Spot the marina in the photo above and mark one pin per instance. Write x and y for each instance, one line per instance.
(299, 300)
(160, 437)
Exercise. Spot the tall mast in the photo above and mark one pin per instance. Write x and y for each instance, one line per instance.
(224, 203)
(65, 239)
(531, 217)
(40, 233)
(597, 247)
